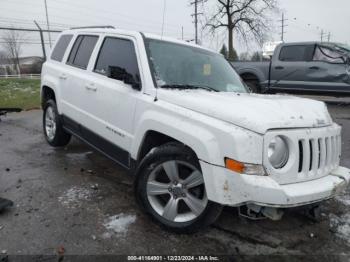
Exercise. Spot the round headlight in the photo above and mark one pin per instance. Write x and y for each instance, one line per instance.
(278, 152)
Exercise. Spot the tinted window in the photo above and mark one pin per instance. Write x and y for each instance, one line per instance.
(296, 53)
(60, 48)
(119, 53)
(74, 49)
(82, 50)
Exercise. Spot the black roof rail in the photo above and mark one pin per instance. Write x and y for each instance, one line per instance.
(96, 26)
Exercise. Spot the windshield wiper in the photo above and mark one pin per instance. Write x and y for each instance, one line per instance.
(190, 87)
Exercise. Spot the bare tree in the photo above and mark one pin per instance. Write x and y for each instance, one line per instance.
(248, 18)
(3, 57)
(12, 44)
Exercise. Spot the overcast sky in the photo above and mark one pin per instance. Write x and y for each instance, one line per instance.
(306, 18)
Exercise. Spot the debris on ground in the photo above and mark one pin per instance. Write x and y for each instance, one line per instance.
(61, 250)
(94, 187)
(119, 223)
(344, 199)
(74, 195)
(340, 225)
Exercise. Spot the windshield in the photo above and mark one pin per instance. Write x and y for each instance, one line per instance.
(176, 65)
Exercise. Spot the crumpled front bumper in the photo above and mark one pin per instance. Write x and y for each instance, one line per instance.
(228, 188)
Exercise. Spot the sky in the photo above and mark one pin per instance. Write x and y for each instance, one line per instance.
(306, 19)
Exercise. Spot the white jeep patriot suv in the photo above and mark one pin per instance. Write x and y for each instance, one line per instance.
(180, 117)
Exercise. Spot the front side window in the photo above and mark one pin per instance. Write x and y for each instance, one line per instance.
(60, 48)
(118, 53)
(177, 65)
(82, 50)
(296, 53)
(326, 54)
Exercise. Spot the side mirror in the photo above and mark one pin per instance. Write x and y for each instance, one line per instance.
(118, 73)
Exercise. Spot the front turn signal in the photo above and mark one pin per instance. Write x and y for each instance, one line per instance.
(234, 165)
(243, 168)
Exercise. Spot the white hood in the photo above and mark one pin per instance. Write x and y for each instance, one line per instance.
(258, 113)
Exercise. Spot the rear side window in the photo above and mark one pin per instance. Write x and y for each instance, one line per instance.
(326, 54)
(82, 50)
(118, 53)
(60, 48)
(296, 53)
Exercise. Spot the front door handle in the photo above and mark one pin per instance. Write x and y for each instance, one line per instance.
(314, 67)
(91, 87)
(63, 76)
(279, 67)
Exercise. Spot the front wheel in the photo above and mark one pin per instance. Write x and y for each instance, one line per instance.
(170, 188)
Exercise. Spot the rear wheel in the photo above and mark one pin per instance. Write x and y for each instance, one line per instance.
(55, 135)
(170, 188)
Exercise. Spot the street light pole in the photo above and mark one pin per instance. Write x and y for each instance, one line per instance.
(47, 22)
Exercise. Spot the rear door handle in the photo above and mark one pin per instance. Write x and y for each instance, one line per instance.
(314, 67)
(279, 67)
(91, 87)
(63, 76)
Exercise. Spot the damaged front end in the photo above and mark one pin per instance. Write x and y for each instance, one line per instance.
(255, 212)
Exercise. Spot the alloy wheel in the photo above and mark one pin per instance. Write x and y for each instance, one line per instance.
(175, 190)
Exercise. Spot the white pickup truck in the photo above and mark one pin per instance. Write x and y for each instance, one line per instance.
(181, 119)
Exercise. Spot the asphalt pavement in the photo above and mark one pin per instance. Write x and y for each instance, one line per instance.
(75, 201)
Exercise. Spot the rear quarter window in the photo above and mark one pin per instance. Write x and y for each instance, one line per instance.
(81, 51)
(61, 47)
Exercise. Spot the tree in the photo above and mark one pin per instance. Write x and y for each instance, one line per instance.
(2, 62)
(244, 56)
(224, 51)
(248, 18)
(257, 56)
(234, 56)
(2, 56)
(12, 44)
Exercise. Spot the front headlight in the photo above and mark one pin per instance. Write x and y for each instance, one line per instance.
(278, 152)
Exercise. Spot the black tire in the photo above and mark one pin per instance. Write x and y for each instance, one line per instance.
(158, 156)
(254, 86)
(60, 137)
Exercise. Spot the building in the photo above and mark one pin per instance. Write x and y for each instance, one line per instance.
(27, 65)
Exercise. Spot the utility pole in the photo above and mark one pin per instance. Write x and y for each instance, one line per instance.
(196, 14)
(283, 26)
(47, 22)
(323, 34)
(182, 33)
(42, 40)
(329, 37)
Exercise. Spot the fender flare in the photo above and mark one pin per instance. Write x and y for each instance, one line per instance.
(186, 132)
